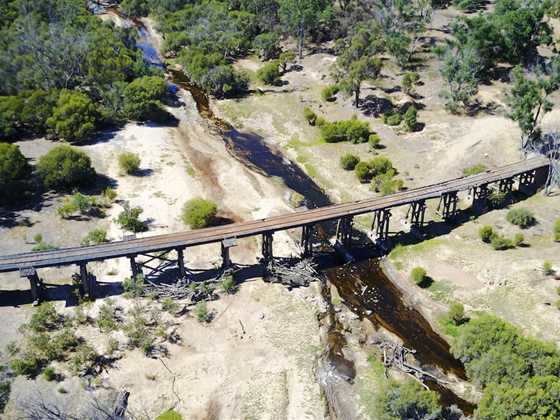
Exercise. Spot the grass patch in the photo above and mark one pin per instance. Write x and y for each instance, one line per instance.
(440, 291)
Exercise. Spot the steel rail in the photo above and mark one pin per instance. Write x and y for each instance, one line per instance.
(117, 249)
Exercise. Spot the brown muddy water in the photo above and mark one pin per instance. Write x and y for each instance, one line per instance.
(363, 286)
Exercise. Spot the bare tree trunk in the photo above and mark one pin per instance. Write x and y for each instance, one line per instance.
(357, 96)
(301, 36)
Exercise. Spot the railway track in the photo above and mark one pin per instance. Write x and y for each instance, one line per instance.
(117, 249)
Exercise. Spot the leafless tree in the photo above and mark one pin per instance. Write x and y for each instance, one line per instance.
(548, 145)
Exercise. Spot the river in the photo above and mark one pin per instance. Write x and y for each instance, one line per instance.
(364, 287)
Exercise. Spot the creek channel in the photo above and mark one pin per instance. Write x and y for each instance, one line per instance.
(364, 287)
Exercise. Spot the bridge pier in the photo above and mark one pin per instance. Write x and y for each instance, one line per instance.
(266, 249)
(37, 290)
(87, 281)
(417, 214)
(134, 266)
(480, 196)
(181, 262)
(449, 202)
(528, 182)
(380, 225)
(344, 231)
(307, 240)
(226, 244)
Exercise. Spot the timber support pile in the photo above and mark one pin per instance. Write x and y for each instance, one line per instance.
(266, 251)
(307, 241)
(417, 213)
(480, 196)
(344, 231)
(380, 225)
(37, 289)
(447, 206)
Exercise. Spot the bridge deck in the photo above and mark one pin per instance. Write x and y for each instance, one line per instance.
(69, 256)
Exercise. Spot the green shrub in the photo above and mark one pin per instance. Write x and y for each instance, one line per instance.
(199, 213)
(475, 169)
(557, 230)
(497, 199)
(518, 239)
(374, 141)
(25, 366)
(270, 73)
(129, 162)
(309, 115)
(65, 168)
(486, 233)
(95, 237)
(109, 194)
(407, 400)
(141, 99)
(43, 246)
(348, 161)
(501, 243)
(418, 275)
(129, 219)
(79, 203)
(392, 119)
(15, 172)
(168, 304)
(352, 130)
(547, 268)
(201, 312)
(134, 286)
(456, 313)
(362, 171)
(44, 318)
(409, 81)
(49, 374)
(266, 44)
(75, 116)
(521, 217)
(137, 330)
(228, 285)
(328, 93)
(107, 320)
(411, 118)
(169, 415)
(385, 184)
(83, 360)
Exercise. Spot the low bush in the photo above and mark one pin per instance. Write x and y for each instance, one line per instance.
(362, 171)
(501, 243)
(109, 194)
(418, 275)
(456, 313)
(78, 203)
(270, 73)
(65, 168)
(95, 237)
(374, 141)
(328, 93)
(547, 268)
(557, 230)
(497, 199)
(168, 304)
(137, 330)
(392, 119)
(15, 173)
(199, 213)
(352, 130)
(129, 162)
(475, 169)
(521, 217)
(486, 233)
(25, 366)
(129, 219)
(348, 161)
(49, 374)
(409, 81)
(228, 285)
(134, 286)
(84, 360)
(201, 312)
(518, 239)
(169, 415)
(107, 319)
(309, 115)
(411, 118)
(408, 400)
(45, 318)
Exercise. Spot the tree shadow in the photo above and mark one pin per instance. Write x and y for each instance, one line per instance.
(373, 106)
(143, 172)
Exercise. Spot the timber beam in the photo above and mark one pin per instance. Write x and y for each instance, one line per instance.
(307, 240)
(380, 225)
(226, 244)
(344, 230)
(37, 289)
(181, 263)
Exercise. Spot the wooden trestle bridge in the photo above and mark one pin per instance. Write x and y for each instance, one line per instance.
(528, 175)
